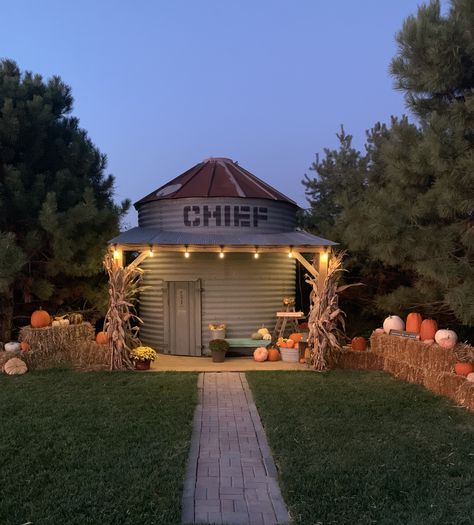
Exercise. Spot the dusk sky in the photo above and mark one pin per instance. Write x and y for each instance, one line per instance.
(162, 85)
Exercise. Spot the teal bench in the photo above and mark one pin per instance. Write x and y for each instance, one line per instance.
(246, 343)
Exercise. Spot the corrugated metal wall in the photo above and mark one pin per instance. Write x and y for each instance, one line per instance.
(240, 291)
(169, 215)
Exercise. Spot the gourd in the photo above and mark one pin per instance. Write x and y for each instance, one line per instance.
(12, 346)
(393, 322)
(260, 354)
(414, 321)
(296, 337)
(463, 369)
(40, 319)
(257, 336)
(263, 330)
(15, 366)
(273, 354)
(428, 329)
(75, 318)
(101, 338)
(358, 343)
(470, 377)
(60, 321)
(446, 338)
(267, 337)
(24, 346)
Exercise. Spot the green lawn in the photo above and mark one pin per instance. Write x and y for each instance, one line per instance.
(94, 448)
(361, 448)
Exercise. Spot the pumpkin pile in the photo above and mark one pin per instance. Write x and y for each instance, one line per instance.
(262, 334)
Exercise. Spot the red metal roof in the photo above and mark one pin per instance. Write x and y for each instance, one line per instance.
(216, 177)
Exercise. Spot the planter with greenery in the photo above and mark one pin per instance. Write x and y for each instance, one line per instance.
(142, 356)
(218, 348)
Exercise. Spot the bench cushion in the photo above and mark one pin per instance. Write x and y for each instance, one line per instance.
(246, 343)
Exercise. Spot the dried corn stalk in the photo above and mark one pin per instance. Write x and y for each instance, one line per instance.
(326, 320)
(124, 287)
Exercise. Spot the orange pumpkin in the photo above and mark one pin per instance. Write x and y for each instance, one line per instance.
(463, 369)
(273, 354)
(282, 344)
(290, 343)
(101, 338)
(428, 329)
(24, 346)
(413, 323)
(296, 337)
(358, 343)
(40, 319)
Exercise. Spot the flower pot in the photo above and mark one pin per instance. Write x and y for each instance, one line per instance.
(217, 356)
(290, 355)
(142, 365)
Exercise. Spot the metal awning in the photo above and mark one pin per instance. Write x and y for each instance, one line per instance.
(139, 236)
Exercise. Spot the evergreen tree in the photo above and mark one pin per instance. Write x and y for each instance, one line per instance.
(415, 215)
(56, 203)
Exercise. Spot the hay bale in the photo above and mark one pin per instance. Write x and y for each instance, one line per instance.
(69, 346)
(356, 360)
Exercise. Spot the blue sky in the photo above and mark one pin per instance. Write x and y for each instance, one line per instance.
(161, 85)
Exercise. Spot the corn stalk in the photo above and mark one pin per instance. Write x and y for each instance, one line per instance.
(124, 287)
(326, 320)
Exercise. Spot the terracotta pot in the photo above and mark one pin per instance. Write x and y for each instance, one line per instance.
(217, 356)
(142, 365)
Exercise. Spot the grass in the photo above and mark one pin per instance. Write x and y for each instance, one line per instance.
(94, 448)
(361, 448)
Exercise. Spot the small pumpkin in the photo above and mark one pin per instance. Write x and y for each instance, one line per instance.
(470, 377)
(358, 343)
(296, 337)
(257, 336)
(428, 341)
(12, 346)
(393, 322)
(463, 369)
(263, 330)
(75, 318)
(24, 346)
(101, 338)
(413, 323)
(267, 337)
(274, 354)
(260, 354)
(379, 331)
(290, 343)
(302, 360)
(428, 329)
(446, 338)
(15, 366)
(40, 319)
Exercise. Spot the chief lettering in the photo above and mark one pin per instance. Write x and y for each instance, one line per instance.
(236, 216)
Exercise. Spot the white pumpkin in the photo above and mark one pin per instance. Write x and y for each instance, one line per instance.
(446, 338)
(60, 322)
(15, 367)
(262, 330)
(12, 346)
(393, 322)
(267, 337)
(470, 377)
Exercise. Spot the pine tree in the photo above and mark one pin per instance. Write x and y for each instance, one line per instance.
(56, 203)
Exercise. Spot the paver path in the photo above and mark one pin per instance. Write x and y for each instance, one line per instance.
(231, 477)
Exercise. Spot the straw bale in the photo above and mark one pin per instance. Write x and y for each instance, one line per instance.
(403, 371)
(53, 338)
(357, 360)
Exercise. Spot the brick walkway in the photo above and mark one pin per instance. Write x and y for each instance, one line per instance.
(231, 477)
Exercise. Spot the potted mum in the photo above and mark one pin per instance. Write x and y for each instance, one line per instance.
(142, 357)
(218, 348)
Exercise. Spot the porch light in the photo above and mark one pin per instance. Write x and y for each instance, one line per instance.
(290, 253)
(186, 253)
(221, 254)
(324, 257)
(256, 254)
(116, 252)
(150, 253)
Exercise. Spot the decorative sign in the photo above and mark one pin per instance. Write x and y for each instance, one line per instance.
(402, 333)
(236, 216)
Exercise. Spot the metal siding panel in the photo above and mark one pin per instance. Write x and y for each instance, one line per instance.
(168, 215)
(240, 291)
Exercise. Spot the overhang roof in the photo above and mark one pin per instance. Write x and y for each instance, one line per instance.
(153, 236)
(215, 177)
